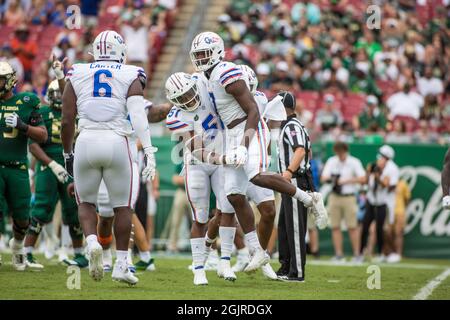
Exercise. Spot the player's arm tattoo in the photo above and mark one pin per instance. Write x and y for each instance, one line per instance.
(158, 113)
(445, 178)
(69, 112)
(247, 102)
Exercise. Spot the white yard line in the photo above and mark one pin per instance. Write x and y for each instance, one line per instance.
(426, 291)
(383, 265)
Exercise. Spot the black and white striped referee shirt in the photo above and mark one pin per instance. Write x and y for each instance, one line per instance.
(293, 135)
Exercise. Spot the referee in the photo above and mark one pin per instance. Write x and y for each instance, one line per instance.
(293, 159)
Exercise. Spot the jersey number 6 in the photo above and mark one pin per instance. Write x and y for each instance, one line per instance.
(101, 86)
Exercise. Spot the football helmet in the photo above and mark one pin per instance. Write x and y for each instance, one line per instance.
(207, 50)
(181, 90)
(54, 96)
(109, 46)
(8, 78)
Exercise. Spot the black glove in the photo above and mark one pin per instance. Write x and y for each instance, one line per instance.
(68, 163)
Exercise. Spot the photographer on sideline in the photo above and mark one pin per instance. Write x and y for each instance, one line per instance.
(344, 172)
(382, 176)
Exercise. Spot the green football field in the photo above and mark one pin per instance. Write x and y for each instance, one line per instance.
(173, 280)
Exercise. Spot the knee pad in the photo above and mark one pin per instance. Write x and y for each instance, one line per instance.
(75, 231)
(200, 215)
(22, 230)
(105, 241)
(35, 226)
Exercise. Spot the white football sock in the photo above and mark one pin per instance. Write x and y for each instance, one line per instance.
(29, 250)
(121, 256)
(252, 241)
(303, 197)
(209, 241)
(91, 239)
(78, 250)
(198, 252)
(107, 256)
(145, 256)
(130, 256)
(226, 235)
(242, 253)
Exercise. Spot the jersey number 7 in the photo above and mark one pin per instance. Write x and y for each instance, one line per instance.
(101, 86)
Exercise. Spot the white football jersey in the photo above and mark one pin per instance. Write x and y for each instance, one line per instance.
(101, 89)
(203, 121)
(261, 101)
(227, 107)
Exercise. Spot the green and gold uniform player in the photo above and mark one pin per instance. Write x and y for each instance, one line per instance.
(51, 184)
(19, 120)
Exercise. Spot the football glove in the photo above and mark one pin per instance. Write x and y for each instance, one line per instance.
(237, 157)
(149, 171)
(58, 67)
(59, 171)
(446, 202)
(68, 163)
(13, 121)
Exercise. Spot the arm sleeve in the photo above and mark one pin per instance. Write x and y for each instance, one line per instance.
(138, 118)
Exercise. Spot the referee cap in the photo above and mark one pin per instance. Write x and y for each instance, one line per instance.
(288, 99)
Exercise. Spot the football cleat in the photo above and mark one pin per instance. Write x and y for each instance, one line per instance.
(212, 261)
(268, 271)
(18, 257)
(122, 273)
(258, 259)
(32, 262)
(200, 277)
(241, 262)
(224, 270)
(145, 266)
(81, 260)
(107, 267)
(95, 256)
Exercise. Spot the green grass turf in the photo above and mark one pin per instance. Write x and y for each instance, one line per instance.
(172, 280)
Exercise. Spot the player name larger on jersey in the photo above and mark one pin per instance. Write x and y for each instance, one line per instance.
(96, 65)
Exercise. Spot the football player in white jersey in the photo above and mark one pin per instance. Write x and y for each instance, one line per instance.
(194, 119)
(263, 198)
(246, 140)
(106, 212)
(103, 94)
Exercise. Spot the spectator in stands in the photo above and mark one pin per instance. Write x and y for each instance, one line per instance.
(424, 135)
(90, 10)
(25, 49)
(405, 103)
(372, 118)
(14, 15)
(361, 81)
(329, 116)
(430, 86)
(57, 16)
(64, 49)
(282, 80)
(398, 133)
(39, 12)
(135, 33)
(263, 72)
(6, 54)
(305, 11)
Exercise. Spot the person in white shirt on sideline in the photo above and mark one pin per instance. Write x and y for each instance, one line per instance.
(345, 172)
